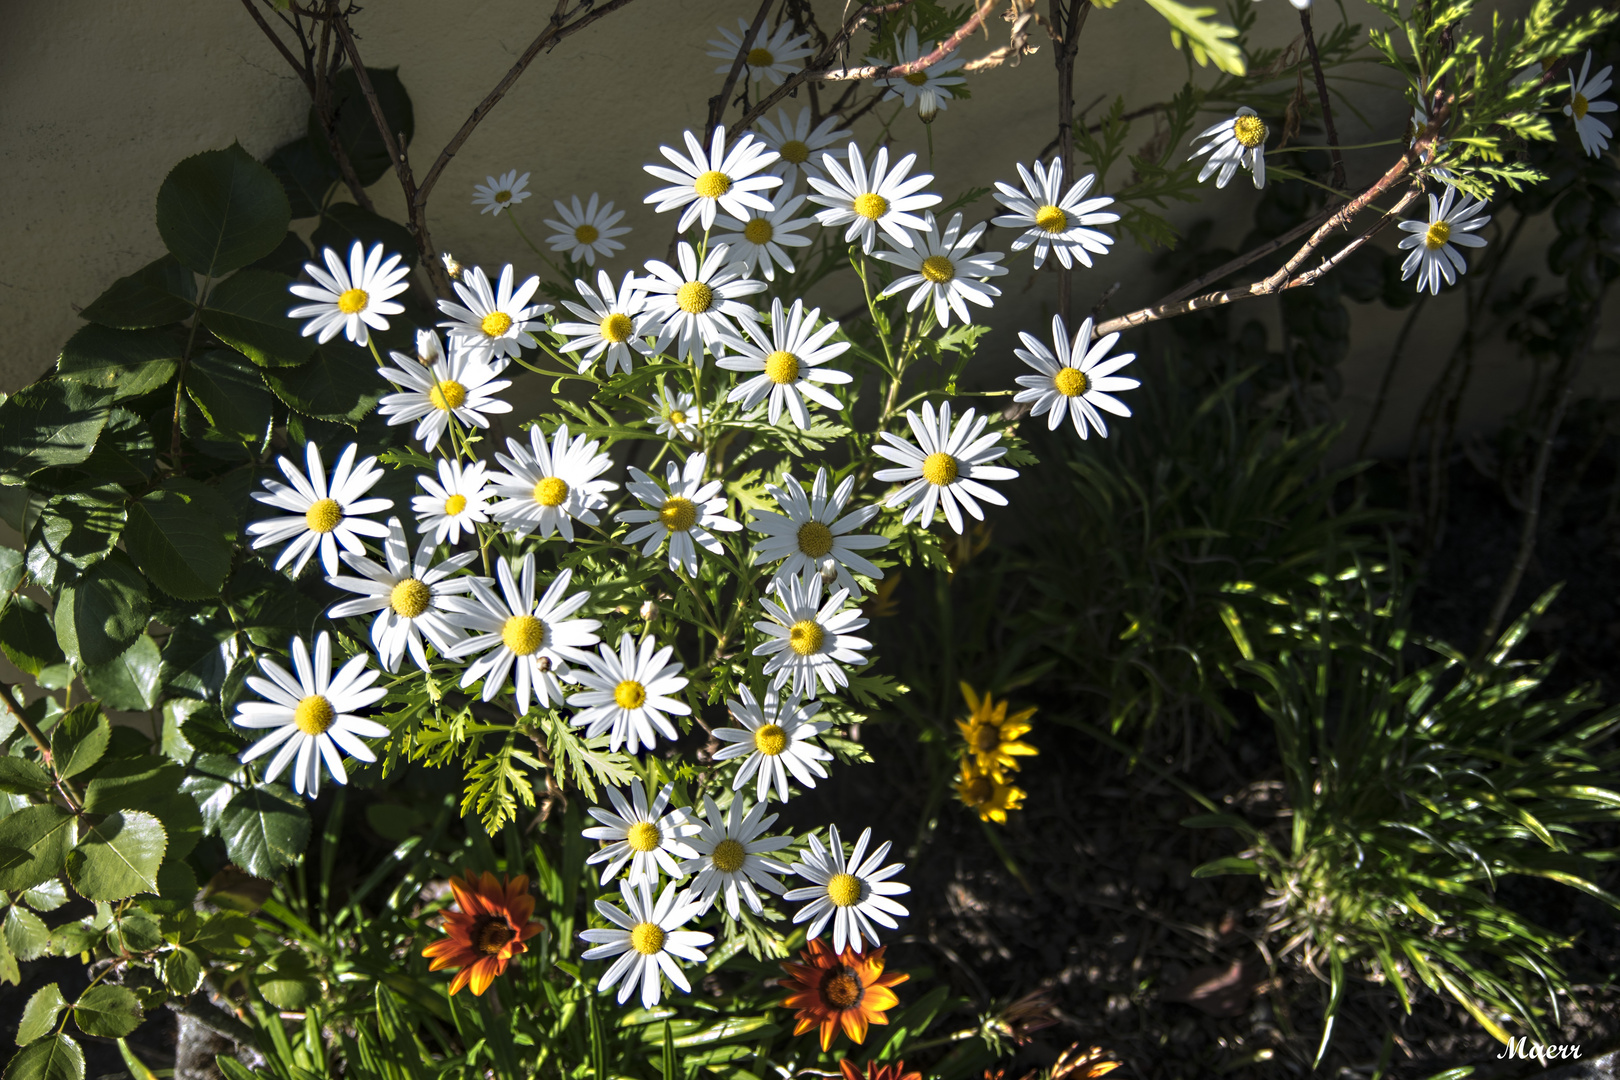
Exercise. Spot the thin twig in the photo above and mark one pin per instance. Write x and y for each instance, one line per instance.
(69, 796)
(281, 46)
(1063, 59)
(1322, 95)
(923, 63)
(717, 104)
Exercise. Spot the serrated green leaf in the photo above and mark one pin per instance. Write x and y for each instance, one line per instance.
(40, 1014)
(355, 129)
(27, 936)
(129, 681)
(45, 833)
(340, 384)
(182, 972)
(80, 526)
(55, 1057)
(103, 612)
(306, 177)
(27, 637)
(159, 293)
(118, 857)
(47, 424)
(1209, 40)
(248, 311)
(220, 210)
(264, 829)
(108, 1011)
(79, 739)
(154, 785)
(232, 395)
(181, 536)
(121, 363)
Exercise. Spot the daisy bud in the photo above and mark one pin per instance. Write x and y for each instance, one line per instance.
(829, 573)
(451, 267)
(649, 610)
(927, 108)
(428, 349)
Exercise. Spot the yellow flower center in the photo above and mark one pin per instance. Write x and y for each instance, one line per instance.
(677, 417)
(917, 78)
(629, 694)
(805, 637)
(678, 513)
(1051, 219)
(492, 937)
(313, 715)
(1071, 382)
(323, 516)
(1579, 106)
(647, 938)
(551, 491)
(617, 328)
(758, 231)
(728, 856)
(760, 58)
(795, 151)
(815, 539)
(523, 634)
(712, 184)
(455, 504)
(643, 836)
(694, 297)
(844, 890)
(586, 234)
(410, 598)
(1250, 131)
(503, 196)
(495, 324)
(939, 469)
(871, 205)
(353, 301)
(1439, 232)
(770, 740)
(447, 394)
(781, 367)
(938, 269)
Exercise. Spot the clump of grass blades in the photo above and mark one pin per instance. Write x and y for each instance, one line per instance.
(1414, 792)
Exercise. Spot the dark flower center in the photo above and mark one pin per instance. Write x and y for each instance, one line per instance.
(841, 988)
(491, 935)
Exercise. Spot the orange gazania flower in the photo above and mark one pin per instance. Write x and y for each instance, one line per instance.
(847, 990)
(488, 931)
(874, 1071)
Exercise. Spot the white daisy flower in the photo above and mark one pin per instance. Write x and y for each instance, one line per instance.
(811, 537)
(946, 471)
(708, 183)
(646, 941)
(326, 514)
(407, 595)
(851, 895)
(489, 322)
(685, 513)
(866, 201)
(775, 736)
(500, 193)
(695, 305)
(547, 488)
(586, 231)
(627, 695)
(457, 502)
(731, 856)
(807, 642)
(771, 57)
(928, 89)
(787, 358)
(1583, 93)
(313, 715)
(513, 630)
(1238, 141)
(353, 298)
(677, 414)
(758, 241)
(1075, 377)
(944, 267)
(644, 838)
(460, 385)
(1055, 220)
(800, 144)
(1433, 257)
(614, 323)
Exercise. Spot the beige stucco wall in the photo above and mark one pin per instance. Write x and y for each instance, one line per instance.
(101, 97)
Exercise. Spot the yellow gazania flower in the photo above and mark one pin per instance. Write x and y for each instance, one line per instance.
(992, 736)
(987, 793)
